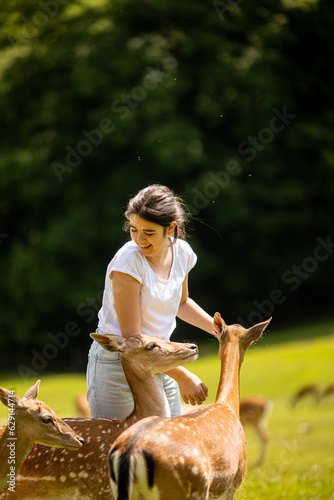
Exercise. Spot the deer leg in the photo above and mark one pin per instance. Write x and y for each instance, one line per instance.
(230, 494)
(264, 437)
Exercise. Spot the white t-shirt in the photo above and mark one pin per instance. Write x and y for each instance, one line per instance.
(159, 298)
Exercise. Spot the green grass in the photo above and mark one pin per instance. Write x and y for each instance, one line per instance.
(57, 391)
(300, 459)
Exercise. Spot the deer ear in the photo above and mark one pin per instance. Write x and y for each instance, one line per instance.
(6, 395)
(254, 332)
(110, 342)
(32, 392)
(218, 322)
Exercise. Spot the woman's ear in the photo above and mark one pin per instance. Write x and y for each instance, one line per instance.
(171, 228)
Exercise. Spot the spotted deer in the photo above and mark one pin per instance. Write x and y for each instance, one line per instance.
(328, 391)
(54, 474)
(306, 390)
(29, 421)
(254, 412)
(82, 406)
(192, 456)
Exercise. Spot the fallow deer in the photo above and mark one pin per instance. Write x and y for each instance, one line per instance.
(59, 475)
(82, 406)
(328, 390)
(193, 456)
(29, 421)
(254, 411)
(306, 390)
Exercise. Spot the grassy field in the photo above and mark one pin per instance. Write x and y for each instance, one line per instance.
(300, 459)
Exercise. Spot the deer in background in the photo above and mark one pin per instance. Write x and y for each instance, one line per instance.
(306, 390)
(58, 475)
(329, 389)
(82, 406)
(192, 456)
(31, 421)
(254, 411)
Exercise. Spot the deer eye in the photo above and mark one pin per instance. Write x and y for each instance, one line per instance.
(46, 419)
(151, 346)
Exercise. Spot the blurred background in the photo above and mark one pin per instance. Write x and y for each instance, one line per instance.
(229, 103)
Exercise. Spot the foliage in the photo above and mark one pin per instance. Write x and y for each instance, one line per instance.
(230, 104)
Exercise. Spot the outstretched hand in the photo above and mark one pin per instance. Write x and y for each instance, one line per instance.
(192, 389)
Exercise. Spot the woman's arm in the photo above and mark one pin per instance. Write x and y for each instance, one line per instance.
(192, 313)
(192, 389)
(126, 294)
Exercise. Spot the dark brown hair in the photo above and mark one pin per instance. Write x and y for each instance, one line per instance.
(158, 204)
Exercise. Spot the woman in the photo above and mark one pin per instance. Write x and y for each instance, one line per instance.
(146, 288)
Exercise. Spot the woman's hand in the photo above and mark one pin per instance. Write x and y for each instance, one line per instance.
(193, 390)
(191, 387)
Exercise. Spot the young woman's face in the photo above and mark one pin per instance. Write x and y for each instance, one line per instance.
(151, 238)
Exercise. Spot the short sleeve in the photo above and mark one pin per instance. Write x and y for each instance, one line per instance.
(192, 258)
(129, 261)
(186, 257)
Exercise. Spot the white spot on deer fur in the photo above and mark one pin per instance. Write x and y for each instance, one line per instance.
(80, 455)
(194, 470)
(163, 438)
(82, 474)
(62, 479)
(73, 475)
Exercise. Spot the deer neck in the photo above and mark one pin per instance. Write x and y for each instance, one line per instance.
(228, 387)
(148, 394)
(14, 449)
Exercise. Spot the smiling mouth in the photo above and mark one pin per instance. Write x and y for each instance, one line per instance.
(144, 247)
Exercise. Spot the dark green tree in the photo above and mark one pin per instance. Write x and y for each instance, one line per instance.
(228, 103)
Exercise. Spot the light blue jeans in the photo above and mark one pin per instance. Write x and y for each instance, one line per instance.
(108, 393)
